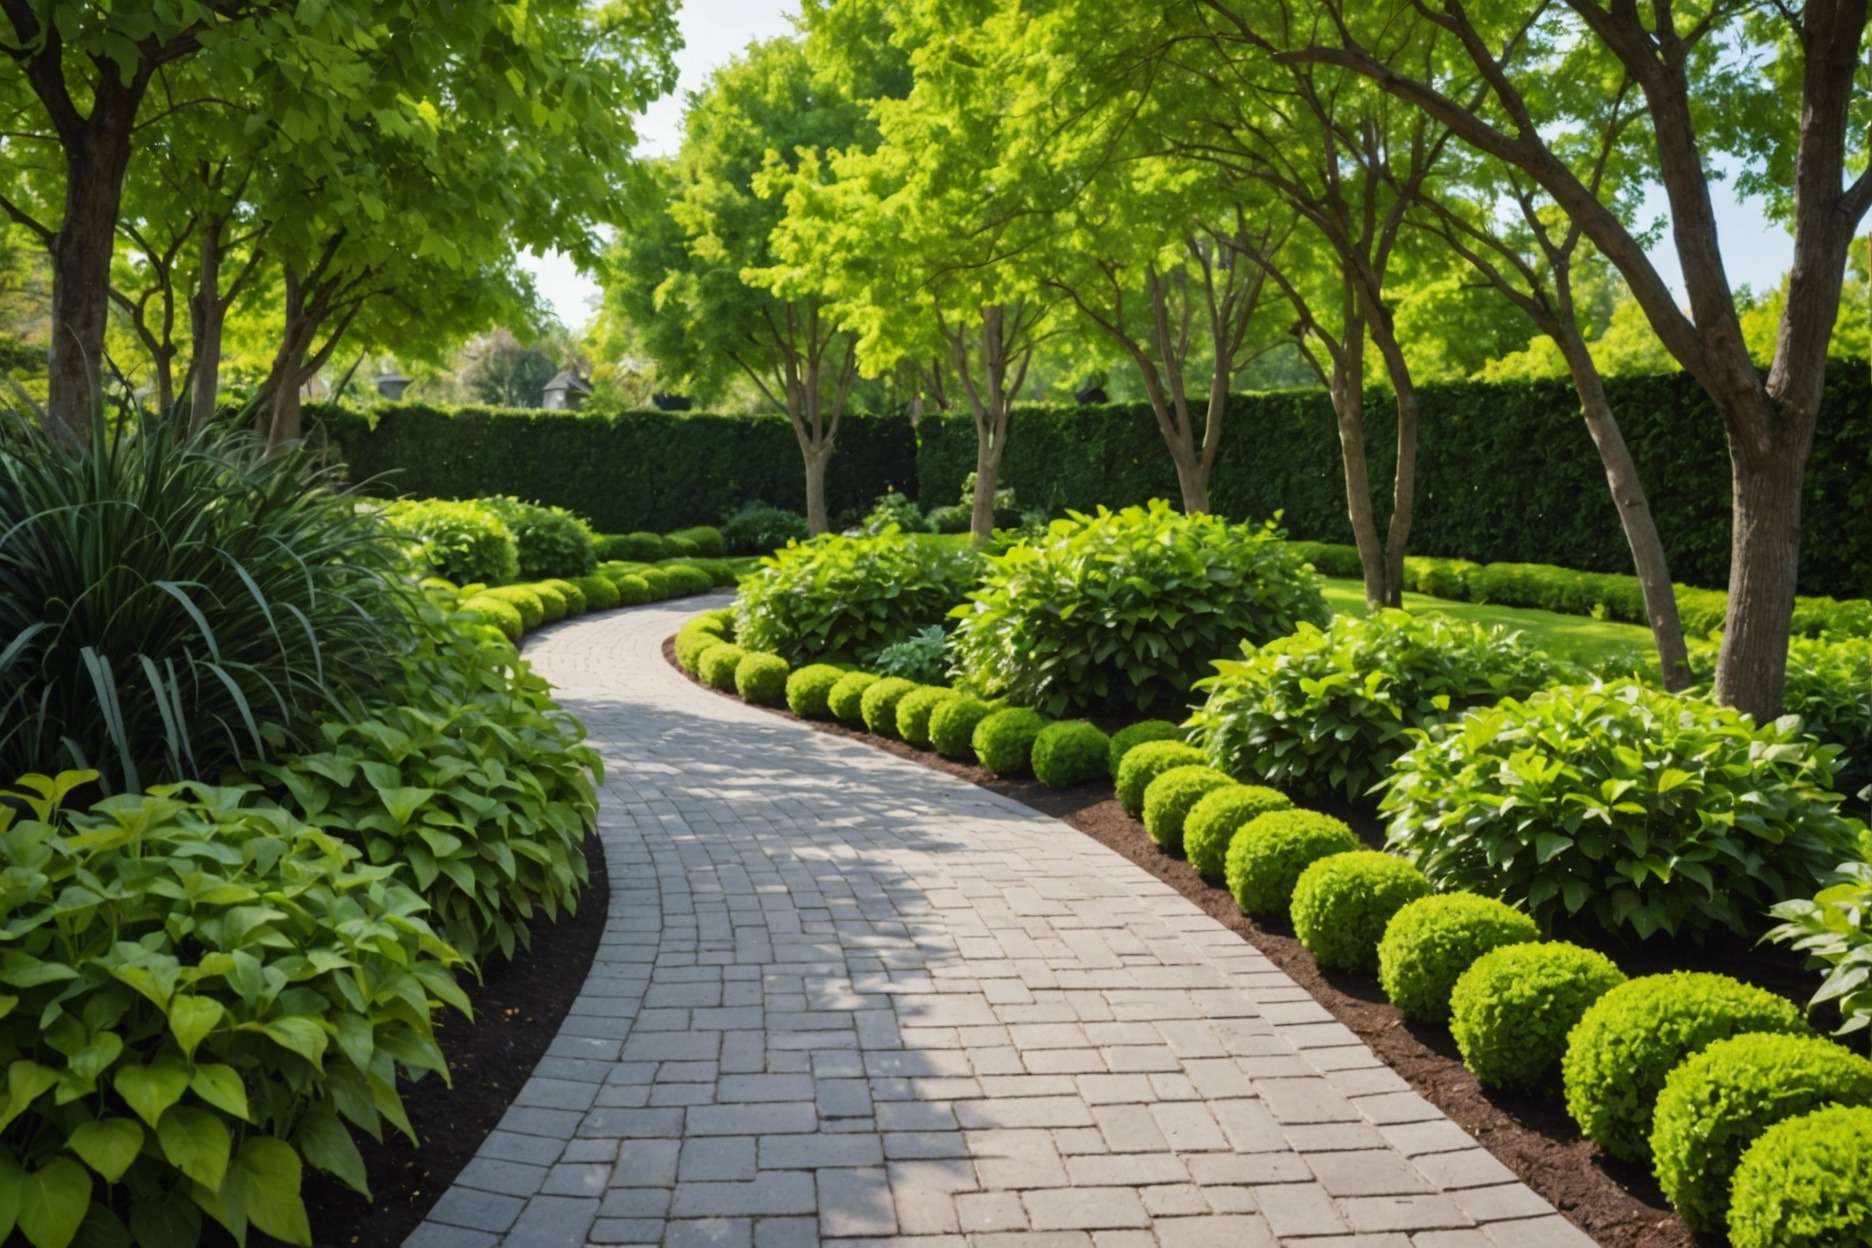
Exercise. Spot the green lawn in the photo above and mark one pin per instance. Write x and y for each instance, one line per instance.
(1577, 637)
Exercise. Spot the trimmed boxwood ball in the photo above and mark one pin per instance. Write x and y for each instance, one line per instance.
(1132, 735)
(501, 614)
(685, 579)
(1143, 763)
(718, 663)
(914, 710)
(1717, 1103)
(953, 724)
(1806, 1183)
(694, 637)
(845, 700)
(551, 599)
(1342, 902)
(1269, 853)
(658, 580)
(1004, 741)
(1512, 1009)
(633, 590)
(532, 610)
(1070, 752)
(1172, 795)
(1430, 942)
(761, 678)
(878, 704)
(1632, 1038)
(600, 594)
(1213, 822)
(809, 688)
(569, 590)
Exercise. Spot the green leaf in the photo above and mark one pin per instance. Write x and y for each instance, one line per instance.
(299, 1034)
(53, 1201)
(191, 1018)
(150, 1090)
(221, 1087)
(12, 1189)
(27, 1081)
(272, 1174)
(107, 1145)
(326, 1143)
(173, 1221)
(196, 1143)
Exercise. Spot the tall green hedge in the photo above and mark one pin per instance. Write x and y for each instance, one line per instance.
(622, 471)
(1506, 473)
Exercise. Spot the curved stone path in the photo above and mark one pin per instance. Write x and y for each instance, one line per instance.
(844, 998)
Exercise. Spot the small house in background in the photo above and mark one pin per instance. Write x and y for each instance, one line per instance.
(391, 384)
(567, 391)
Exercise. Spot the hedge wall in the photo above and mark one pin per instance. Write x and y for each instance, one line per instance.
(1506, 473)
(622, 471)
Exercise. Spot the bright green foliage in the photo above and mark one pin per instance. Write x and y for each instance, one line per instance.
(1834, 928)
(698, 633)
(1342, 902)
(684, 579)
(1125, 609)
(1137, 734)
(1269, 853)
(202, 991)
(551, 540)
(1635, 1035)
(1828, 688)
(706, 539)
(916, 708)
(462, 540)
(757, 529)
(846, 701)
(633, 591)
(681, 547)
(1327, 710)
(809, 688)
(637, 547)
(762, 678)
(1004, 741)
(600, 594)
(1623, 806)
(953, 723)
(1214, 820)
(1170, 797)
(851, 595)
(1720, 1101)
(498, 612)
(922, 656)
(659, 582)
(1806, 1183)
(1071, 752)
(1512, 1009)
(1429, 943)
(893, 510)
(1143, 763)
(554, 603)
(573, 595)
(877, 706)
(522, 598)
(717, 664)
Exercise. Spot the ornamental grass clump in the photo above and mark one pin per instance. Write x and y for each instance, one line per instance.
(1512, 1010)
(1429, 943)
(1070, 752)
(1004, 740)
(1143, 764)
(1806, 1183)
(1342, 903)
(1268, 854)
(1214, 820)
(953, 724)
(761, 678)
(1171, 796)
(915, 709)
(850, 597)
(809, 690)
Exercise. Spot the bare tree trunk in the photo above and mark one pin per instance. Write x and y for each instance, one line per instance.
(81, 259)
(207, 316)
(1404, 478)
(987, 475)
(1192, 477)
(816, 458)
(1348, 402)
(1763, 561)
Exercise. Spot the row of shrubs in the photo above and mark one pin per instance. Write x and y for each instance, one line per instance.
(518, 609)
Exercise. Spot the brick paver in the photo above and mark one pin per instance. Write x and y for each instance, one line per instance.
(844, 998)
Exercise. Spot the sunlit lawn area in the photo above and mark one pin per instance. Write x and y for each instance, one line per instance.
(1576, 637)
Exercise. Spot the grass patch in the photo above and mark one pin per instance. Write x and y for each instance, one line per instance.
(1577, 637)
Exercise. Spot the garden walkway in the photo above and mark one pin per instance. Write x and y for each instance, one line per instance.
(842, 997)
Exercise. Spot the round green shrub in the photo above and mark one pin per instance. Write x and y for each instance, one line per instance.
(1137, 734)
(573, 595)
(1269, 853)
(633, 591)
(685, 579)
(809, 689)
(498, 612)
(846, 699)
(758, 529)
(551, 600)
(1213, 822)
(717, 665)
(914, 711)
(600, 594)
(464, 540)
(1004, 741)
(680, 548)
(1342, 902)
(1512, 1009)
(761, 678)
(1172, 795)
(1070, 752)
(1143, 764)
(1717, 1103)
(636, 547)
(659, 582)
(531, 607)
(877, 706)
(1429, 943)
(551, 541)
(1632, 1038)
(706, 539)
(695, 636)
(953, 723)
(1806, 1183)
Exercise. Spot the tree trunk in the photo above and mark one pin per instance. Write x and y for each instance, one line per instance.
(1192, 476)
(816, 457)
(81, 259)
(285, 426)
(1764, 558)
(207, 316)
(987, 473)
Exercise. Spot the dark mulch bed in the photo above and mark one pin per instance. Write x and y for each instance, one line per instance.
(1619, 1205)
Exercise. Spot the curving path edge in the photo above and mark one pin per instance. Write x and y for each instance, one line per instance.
(842, 998)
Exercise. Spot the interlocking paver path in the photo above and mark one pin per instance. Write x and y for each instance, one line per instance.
(845, 998)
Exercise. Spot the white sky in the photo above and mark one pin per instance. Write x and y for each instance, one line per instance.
(714, 31)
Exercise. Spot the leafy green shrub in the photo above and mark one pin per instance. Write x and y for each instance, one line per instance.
(498, 612)
(809, 688)
(757, 529)
(846, 701)
(554, 603)
(1717, 1103)
(573, 595)
(611, 569)
(1342, 902)
(1440, 578)
(1834, 929)
(522, 598)
(1828, 687)
(723, 573)
(949, 518)
(633, 591)
(892, 511)
(1330, 558)
(851, 596)
(953, 723)
(684, 579)
(1125, 609)
(1330, 709)
(600, 594)
(1635, 1035)
(1806, 1183)
(877, 706)
(1143, 763)
(1070, 752)
(1430, 942)
(637, 547)
(717, 665)
(462, 540)
(1137, 734)
(551, 540)
(920, 657)
(178, 965)
(914, 710)
(659, 582)
(697, 634)
(705, 539)
(1511, 1011)
(1213, 822)
(1270, 852)
(680, 548)
(1637, 810)
(1172, 795)
(1004, 741)
(761, 678)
